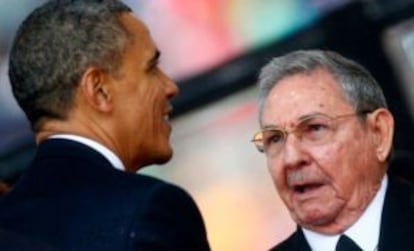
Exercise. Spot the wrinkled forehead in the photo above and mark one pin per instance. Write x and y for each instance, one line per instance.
(140, 40)
(135, 27)
(302, 94)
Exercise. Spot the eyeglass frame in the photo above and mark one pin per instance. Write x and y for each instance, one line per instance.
(285, 132)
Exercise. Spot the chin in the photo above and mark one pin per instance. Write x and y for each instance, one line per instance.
(154, 155)
(163, 156)
(160, 149)
(315, 218)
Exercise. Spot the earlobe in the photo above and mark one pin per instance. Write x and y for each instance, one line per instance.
(382, 123)
(95, 89)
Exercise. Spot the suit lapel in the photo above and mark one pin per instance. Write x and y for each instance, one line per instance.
(302, 243)
(397, 221)
(296, 242)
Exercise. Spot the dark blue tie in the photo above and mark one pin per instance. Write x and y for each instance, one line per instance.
(346, 244)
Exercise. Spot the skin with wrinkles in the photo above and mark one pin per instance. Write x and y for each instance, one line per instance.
(326, 187)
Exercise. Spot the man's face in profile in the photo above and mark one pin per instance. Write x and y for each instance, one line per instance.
(143, 93)
(321, 184)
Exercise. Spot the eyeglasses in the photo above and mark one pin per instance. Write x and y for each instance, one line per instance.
(312, 130)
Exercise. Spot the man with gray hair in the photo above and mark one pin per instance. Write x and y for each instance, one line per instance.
(327, 136)
(86, 74)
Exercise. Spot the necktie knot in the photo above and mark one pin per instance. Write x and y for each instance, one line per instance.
(346, 244)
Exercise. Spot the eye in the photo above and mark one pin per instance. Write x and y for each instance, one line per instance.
(314, 129)
(272, 137)
(154, 69)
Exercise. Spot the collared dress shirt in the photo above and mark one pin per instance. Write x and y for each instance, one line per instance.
(364, 232)
(105, 151)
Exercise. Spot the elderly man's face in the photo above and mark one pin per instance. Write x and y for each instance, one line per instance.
(325, 186)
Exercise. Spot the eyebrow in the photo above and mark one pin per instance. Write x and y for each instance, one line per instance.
(154, 60)
(310, 115)
(298, 120)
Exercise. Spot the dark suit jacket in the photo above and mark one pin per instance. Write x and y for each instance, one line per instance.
(397, 223)
(72, 199)
(10, 241)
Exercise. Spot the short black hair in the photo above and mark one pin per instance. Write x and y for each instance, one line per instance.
(54, 46)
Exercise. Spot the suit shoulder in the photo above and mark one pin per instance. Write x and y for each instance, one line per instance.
(402, 191)
(155, 191)
(166, 191)
(167, 218)
(150, 183)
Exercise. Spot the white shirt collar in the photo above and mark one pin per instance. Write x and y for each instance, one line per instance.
(106, 152)
(364, 232)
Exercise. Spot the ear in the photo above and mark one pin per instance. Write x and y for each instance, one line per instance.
(382, 125)
(95, 89)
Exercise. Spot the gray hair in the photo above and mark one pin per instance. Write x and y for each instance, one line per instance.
(359, 87)
(55, 45)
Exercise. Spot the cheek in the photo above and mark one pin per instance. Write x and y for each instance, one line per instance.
(277, 173)
(328, 157)
(153, 95)
(339, 162)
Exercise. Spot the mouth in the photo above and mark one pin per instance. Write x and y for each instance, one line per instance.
(167, 114)
(306, 188)
(303, 184)
(167, 118)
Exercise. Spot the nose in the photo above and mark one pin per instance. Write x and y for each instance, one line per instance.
(171, 88)
(293, 154)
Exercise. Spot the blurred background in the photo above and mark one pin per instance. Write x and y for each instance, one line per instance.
(214, 49)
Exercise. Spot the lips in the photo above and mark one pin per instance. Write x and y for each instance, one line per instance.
(167, 113)
(306, 188)
(300, 183)
(166, 116)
